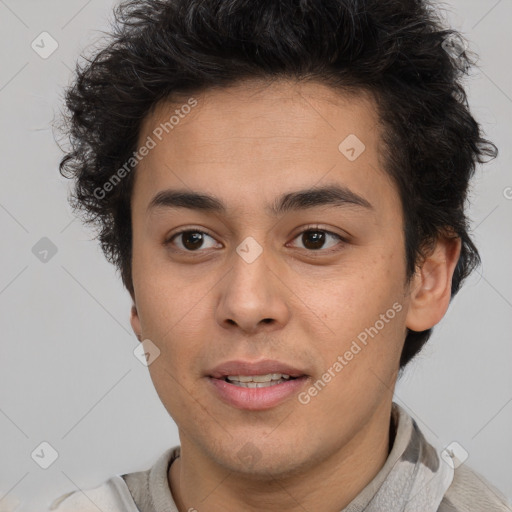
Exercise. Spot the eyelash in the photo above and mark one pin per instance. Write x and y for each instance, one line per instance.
(313, 228)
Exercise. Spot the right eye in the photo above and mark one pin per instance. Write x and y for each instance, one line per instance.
(191, 240)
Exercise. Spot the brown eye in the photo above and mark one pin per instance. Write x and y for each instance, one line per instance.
(315, 239)
(191, 240)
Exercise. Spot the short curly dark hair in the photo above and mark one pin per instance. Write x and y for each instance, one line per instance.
(398, 50)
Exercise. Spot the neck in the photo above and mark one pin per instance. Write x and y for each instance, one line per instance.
(330, 484)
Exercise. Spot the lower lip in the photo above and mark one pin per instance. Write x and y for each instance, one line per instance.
(256, 399)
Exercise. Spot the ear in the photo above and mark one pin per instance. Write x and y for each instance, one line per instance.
(432, 284)
(135, 322)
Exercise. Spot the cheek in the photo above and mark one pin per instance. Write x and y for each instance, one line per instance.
(365, 302)
(359, 292)
(176, 315)
(166, 300)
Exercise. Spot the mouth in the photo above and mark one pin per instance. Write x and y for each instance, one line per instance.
(256, 386)
(258, 381)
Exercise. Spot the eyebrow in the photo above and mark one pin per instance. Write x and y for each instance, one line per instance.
(329, 195)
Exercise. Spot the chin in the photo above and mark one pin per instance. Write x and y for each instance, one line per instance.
(259, 461)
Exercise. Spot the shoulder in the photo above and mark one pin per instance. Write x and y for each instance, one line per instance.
(112, 495)
(130, 492)
(471, 492)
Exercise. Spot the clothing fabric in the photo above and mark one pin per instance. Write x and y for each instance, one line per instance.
(414, 478)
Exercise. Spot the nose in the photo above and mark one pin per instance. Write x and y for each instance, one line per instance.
(252, 296)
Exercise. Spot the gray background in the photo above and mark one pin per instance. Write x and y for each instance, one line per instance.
(68, 375)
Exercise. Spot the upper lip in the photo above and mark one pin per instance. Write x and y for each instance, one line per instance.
(254, 368)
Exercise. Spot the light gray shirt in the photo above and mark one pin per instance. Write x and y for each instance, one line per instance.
(414, 478)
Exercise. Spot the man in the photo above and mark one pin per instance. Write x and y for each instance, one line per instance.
(282, 187)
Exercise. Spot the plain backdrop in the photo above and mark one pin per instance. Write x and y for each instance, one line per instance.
(68, 375)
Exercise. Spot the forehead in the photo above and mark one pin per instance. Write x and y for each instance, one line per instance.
(309, 110)
(255, 137)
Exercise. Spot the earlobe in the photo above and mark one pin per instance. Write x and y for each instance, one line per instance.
(432, 284)
(135, 322)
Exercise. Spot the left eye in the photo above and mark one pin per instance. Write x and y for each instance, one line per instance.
(313, 239)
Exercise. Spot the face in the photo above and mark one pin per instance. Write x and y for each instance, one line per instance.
(295, 266)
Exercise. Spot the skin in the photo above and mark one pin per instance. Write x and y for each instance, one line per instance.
(247, 145)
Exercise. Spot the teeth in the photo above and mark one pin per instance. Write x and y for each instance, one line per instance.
(260, 379)
(257, 384)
